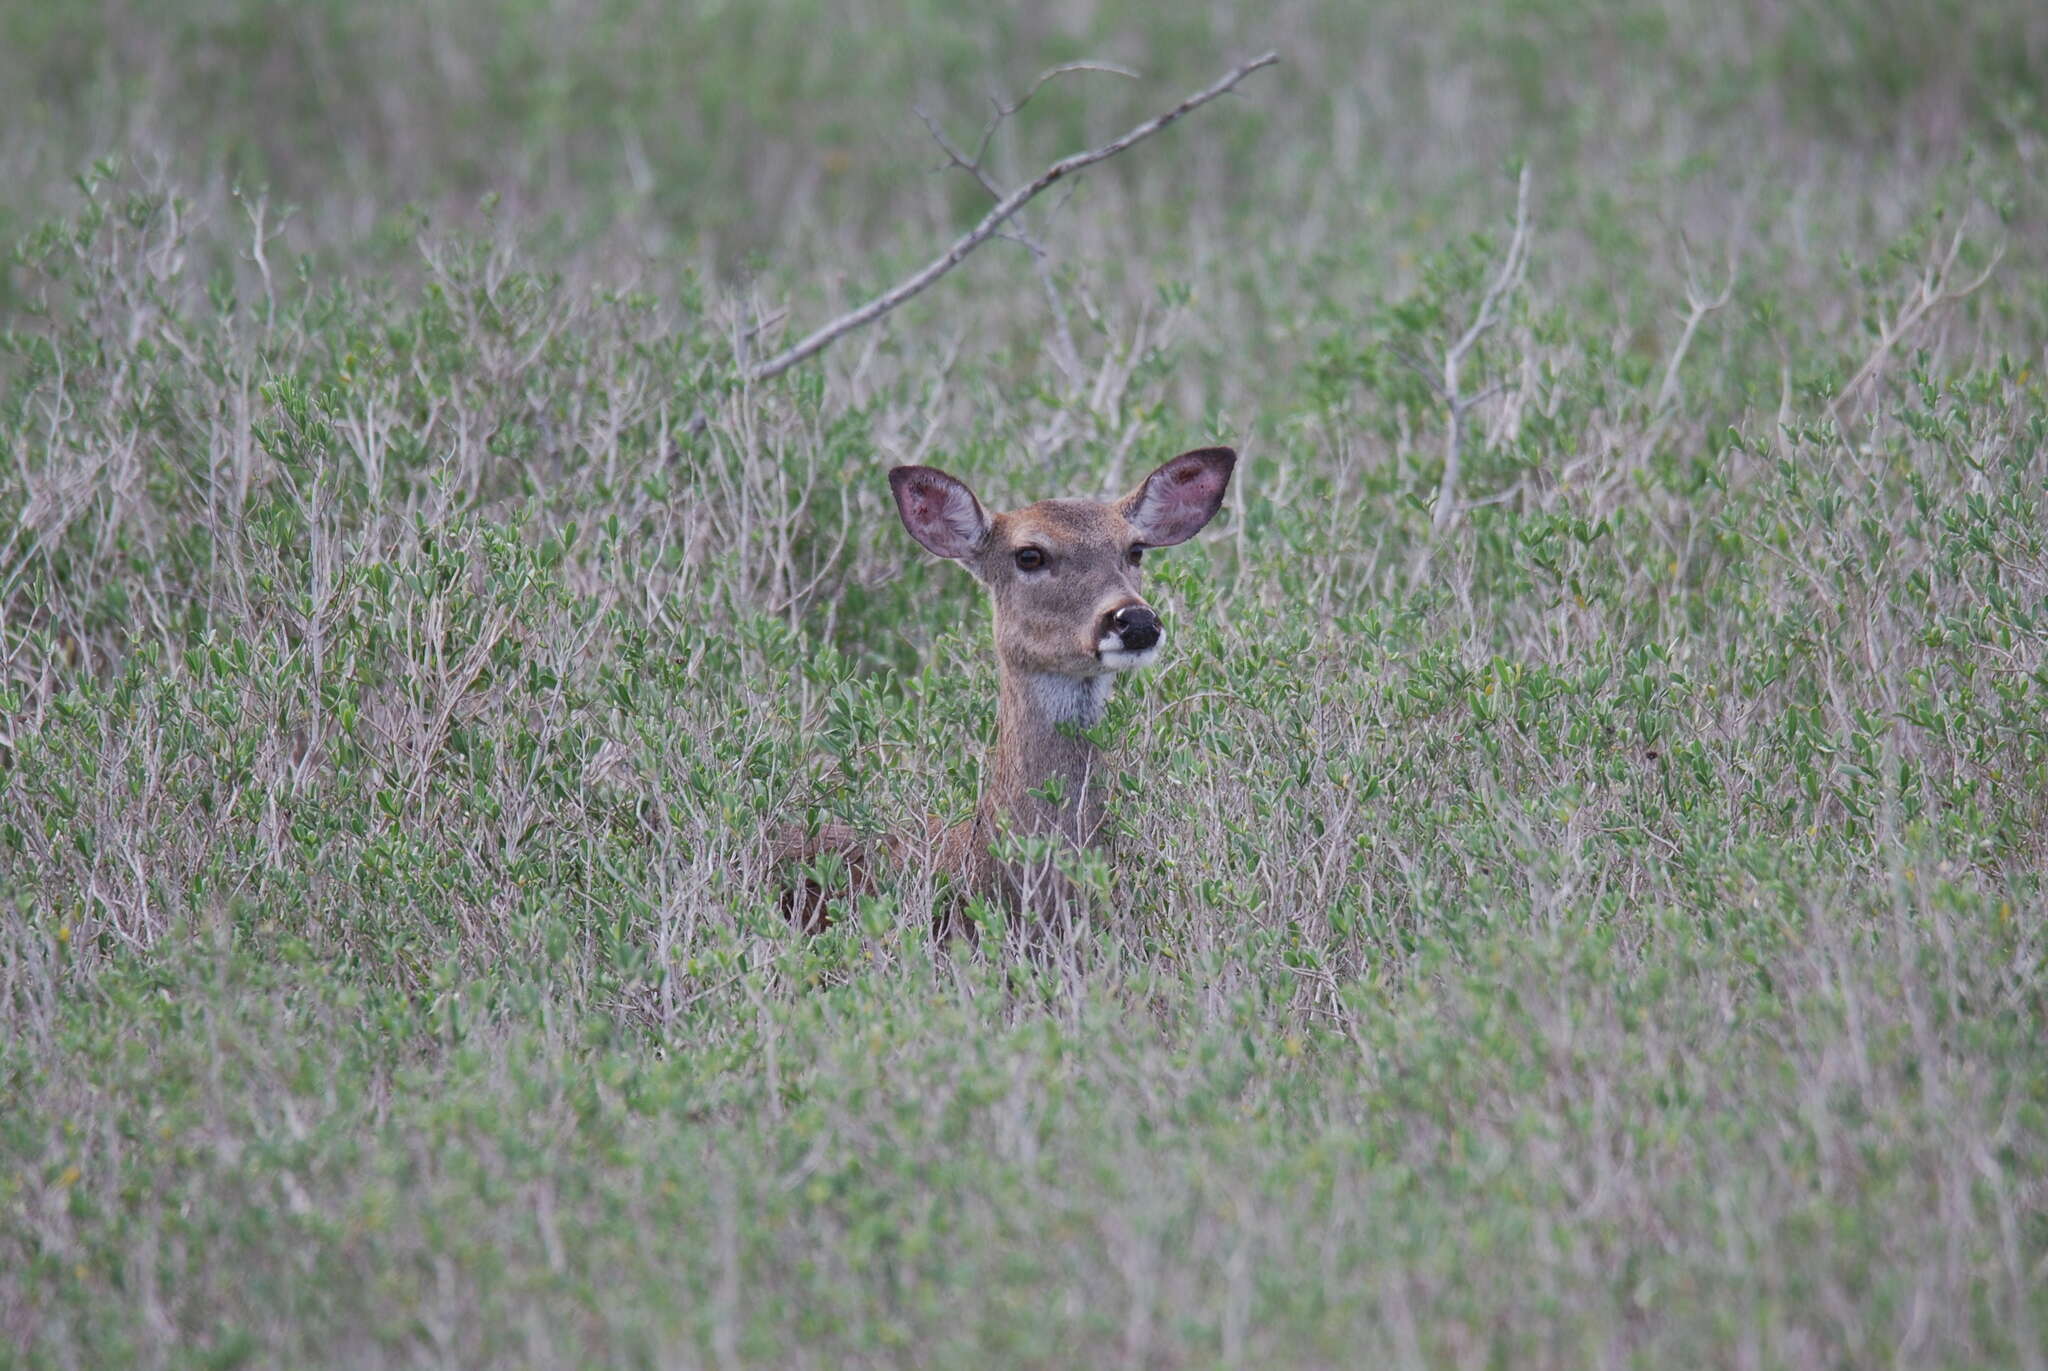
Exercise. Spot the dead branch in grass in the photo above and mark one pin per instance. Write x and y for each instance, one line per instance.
(1456, 402)
(1931, 291)
(1005, 209)
(1065, 353)
(1698, 305)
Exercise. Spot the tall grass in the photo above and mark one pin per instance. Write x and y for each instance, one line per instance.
(1608, 931)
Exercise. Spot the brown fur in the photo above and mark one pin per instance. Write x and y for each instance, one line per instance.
(1053, 672)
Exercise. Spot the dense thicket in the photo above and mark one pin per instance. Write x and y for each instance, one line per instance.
(1604, 930)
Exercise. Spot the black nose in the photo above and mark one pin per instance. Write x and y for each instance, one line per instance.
(1137, 626)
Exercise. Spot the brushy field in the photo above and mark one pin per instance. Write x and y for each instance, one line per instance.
(1606, 930)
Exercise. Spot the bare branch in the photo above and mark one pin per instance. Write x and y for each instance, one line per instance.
(1468, 401)
(1065, 354)
(1509, 269)
(1004, 111)
(1067, 69)
(1930, 292)
(1420, 368)
(1068, 355)
(955, 157)
(1454, 358)
(1003, 211)
(1698, 305)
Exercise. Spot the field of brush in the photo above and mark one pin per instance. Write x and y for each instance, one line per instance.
(1586, 912)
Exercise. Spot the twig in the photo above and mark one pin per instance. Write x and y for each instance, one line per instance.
(992, 221)
(1698, 305)
(1454, 358)
(259, 241)
(1050, 73)
(1065, 353)
(974, 164)
(1930, 291)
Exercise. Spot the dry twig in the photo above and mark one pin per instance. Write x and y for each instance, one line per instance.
(1455, 400)
(1931, 290)
(1698, 305)
(1065, 353)
(1005, 209)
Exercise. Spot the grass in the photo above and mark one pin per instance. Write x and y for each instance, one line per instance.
(1608, 931)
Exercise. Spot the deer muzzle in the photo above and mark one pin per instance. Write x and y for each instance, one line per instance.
(1131, 636)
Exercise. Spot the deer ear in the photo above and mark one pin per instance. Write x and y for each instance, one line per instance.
(939, 511)
(1178, 499)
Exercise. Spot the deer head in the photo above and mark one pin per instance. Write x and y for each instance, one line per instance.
(1065, 575)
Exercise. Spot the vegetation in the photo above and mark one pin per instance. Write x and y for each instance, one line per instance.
(1600, 926)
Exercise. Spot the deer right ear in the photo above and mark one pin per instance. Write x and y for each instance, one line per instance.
(939, 511)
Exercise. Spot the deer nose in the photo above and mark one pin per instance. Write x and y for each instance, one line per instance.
(1137, 626)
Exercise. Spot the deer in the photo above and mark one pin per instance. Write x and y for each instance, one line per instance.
(1064, 577)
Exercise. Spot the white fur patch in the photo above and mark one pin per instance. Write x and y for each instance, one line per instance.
(1118, 659)
(1072, 699)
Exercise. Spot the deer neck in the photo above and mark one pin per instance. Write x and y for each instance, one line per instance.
(1039, 746)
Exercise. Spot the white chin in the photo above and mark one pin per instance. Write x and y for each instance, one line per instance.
(1118, 659)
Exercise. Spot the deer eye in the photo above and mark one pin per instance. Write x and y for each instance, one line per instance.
(1029, 559)
(1136, 554)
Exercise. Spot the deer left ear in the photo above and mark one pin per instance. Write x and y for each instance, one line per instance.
(1178, 499)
